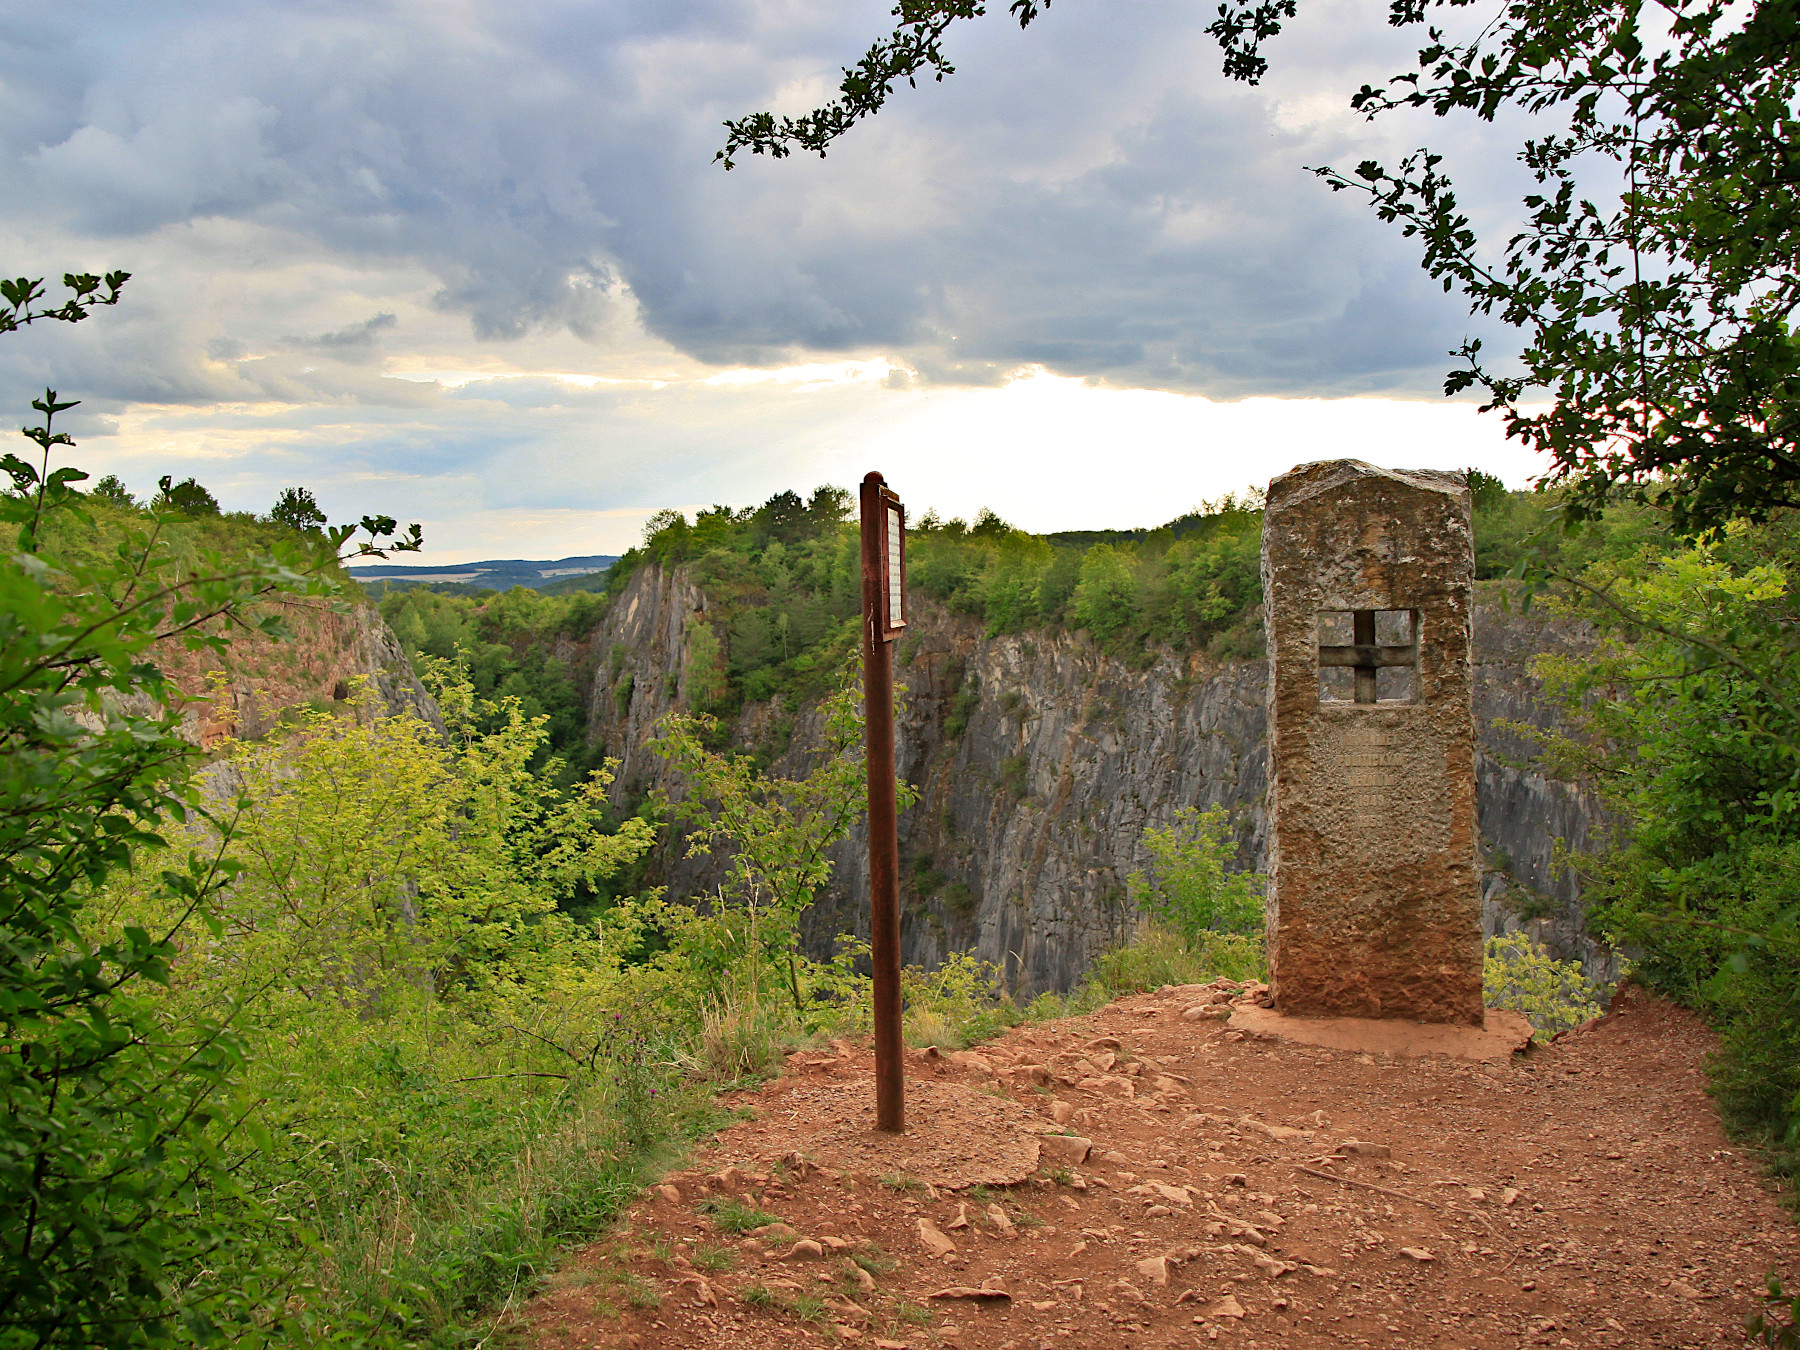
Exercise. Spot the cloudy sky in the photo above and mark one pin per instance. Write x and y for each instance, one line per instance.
(469, 261)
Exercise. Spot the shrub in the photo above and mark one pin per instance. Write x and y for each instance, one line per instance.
(1014, 776)
(1523, 977)
(1190, 887)
(1687, 716)
(1161, 956)
(962, 704)
(745, 1038)
(123, 1214)
(927, 1026)
(777, 833)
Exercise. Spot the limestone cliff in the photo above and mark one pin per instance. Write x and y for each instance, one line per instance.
(331, 651)
(1040, 759)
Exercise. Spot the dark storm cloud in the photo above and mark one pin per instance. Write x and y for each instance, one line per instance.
(1089, 195)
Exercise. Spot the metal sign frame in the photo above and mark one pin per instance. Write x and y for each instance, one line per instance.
(890, 520)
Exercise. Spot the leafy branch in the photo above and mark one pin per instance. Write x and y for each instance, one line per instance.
(914, 46)
(22, 299)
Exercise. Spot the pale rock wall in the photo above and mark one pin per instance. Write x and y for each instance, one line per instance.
(331, 652)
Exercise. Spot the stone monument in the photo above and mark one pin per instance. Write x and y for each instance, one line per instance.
(1374, 904)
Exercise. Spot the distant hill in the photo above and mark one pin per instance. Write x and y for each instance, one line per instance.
(497, 574)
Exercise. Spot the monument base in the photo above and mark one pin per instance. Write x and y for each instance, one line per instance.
(1501, 1036)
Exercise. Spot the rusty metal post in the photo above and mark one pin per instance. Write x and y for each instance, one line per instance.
(884, 833)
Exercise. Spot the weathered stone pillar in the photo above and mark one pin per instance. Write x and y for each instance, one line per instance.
(1374, 880)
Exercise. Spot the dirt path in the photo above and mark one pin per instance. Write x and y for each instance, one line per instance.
(1582, 1195)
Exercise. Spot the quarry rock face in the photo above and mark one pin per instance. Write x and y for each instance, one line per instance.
(1374, 898)
(1040, 759)
(332, 654)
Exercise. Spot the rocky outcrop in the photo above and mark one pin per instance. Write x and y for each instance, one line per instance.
(1039, 761)
(331, 654)
(639, 656)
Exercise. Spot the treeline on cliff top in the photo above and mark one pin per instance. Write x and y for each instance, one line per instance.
(784, 584)
(187, 522)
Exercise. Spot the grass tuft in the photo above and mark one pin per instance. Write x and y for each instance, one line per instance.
(731, 1215)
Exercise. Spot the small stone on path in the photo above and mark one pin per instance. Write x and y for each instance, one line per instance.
(934, 1240)
(970, 1292)
(1064, 1148)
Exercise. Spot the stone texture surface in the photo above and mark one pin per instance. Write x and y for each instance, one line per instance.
(1032, 816)
(1375, 878)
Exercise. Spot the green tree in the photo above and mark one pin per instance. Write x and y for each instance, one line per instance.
(447, 864)
(704, 666)
(1656, 318)
(297, 509)
(115, 1188)
(187, 497)
(1659, 323)
(828, 507)
(112, 490)
(1486, 492)
(783, 519)
(777, 833)
(1105, 600)
(1191, 885)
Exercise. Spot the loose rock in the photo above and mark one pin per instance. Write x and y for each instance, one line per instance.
(1064, 1149)
(969, 1292)
(933, 1240)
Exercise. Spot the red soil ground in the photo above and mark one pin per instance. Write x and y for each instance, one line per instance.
(1581, 1195)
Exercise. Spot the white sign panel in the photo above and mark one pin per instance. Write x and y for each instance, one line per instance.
(894, 569)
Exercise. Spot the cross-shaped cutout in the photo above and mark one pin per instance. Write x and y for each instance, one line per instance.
(1381, 656)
